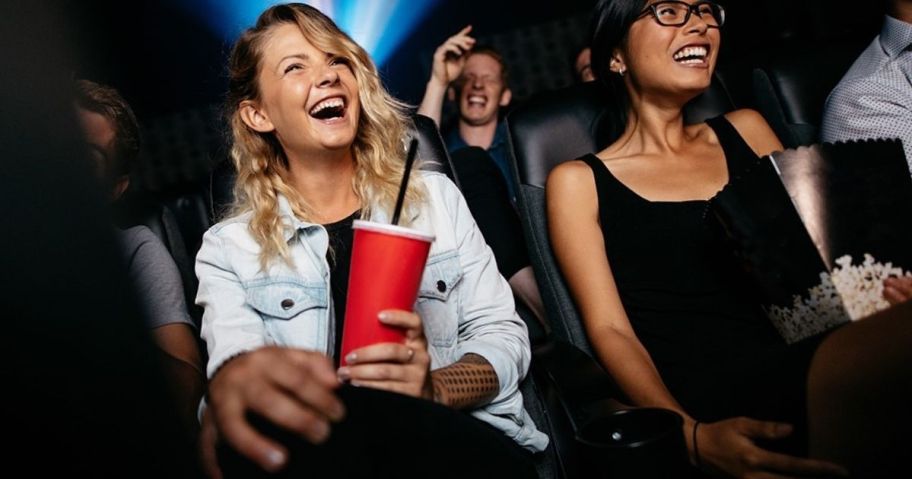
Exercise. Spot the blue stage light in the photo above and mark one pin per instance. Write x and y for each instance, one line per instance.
(377, 25)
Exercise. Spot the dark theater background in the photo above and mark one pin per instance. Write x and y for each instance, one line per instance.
(167, 57)
(79, 386)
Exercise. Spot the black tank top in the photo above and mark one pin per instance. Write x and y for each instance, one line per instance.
(687, 299)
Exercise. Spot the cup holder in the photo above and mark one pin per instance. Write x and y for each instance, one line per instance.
(635, 443)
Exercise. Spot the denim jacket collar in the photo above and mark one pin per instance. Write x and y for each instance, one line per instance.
(293, 224)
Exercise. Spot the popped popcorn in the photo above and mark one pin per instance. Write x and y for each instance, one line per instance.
(847, 293)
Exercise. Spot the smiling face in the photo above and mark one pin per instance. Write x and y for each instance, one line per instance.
(482, 90)
(308, 97)
(666, 59)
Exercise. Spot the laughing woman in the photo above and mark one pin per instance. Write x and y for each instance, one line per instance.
(317, 143)
(667, 312)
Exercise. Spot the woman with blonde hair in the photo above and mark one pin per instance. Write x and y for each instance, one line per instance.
(317, 143)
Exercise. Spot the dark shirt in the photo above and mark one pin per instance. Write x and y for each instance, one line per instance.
(691, 304)
(497, 150)
(338, 255)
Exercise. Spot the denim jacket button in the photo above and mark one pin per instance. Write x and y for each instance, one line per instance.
(287, 304)
(441, 286)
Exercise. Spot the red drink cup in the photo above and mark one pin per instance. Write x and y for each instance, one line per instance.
(386, 266)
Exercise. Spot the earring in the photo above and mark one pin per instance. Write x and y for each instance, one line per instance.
(621, 70)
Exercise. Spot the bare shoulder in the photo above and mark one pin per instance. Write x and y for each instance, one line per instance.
(568, 177)
(755, 131)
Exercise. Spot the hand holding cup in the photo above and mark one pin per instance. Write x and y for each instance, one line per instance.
(403, 368)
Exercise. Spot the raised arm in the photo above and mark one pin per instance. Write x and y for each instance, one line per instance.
(449, 59)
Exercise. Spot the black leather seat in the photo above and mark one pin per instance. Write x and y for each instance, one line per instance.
(432, 152)
(191, 211)
(790, 88)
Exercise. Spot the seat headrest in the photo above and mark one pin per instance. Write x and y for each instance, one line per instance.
(791, 88)
(432, 152)
(560, 125)
(555, 126)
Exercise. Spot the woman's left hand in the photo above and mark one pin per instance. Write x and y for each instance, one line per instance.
(401, 368)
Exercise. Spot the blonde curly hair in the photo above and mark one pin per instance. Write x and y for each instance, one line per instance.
(378, 148)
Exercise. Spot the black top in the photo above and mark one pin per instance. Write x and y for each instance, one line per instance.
(486, 194)
(338, 255)
(687, 299)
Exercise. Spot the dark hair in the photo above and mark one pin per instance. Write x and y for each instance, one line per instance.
(493, 53)
(611, 21)
(107, 102)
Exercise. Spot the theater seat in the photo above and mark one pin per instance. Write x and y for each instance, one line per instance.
(191, 211)
(432, 152)
(549, 129)
(791, 87)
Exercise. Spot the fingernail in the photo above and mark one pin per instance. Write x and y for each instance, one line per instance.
(344, 372)
(320, 431)
(352, 357)
(383, 316)
(338, 412)
(275, 458)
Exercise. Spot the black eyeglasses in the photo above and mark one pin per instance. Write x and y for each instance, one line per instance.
(676, 13)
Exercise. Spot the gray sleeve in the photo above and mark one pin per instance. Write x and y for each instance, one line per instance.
(155, 277)
(864, 109)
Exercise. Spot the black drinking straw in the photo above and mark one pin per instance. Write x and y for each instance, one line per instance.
(409, 161)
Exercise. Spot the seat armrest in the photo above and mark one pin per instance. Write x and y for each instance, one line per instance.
(585, 389)
(595, 432)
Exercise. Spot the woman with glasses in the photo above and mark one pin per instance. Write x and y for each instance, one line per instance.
(667, 311)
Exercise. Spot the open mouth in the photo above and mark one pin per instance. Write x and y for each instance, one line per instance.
(329, 108)
(477, 100)
(692, 55)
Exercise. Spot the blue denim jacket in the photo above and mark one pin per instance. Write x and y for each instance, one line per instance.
(246, 308)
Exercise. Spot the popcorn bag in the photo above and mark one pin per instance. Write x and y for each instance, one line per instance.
(819, 228)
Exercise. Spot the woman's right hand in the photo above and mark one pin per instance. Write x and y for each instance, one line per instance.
(728, 448)
(449, 58)
(291, 388)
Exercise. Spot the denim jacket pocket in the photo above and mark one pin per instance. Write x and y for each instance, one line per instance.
(437, 302)
(285, 298)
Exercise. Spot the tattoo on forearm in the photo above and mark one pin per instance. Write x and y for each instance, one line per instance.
(468, 383)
